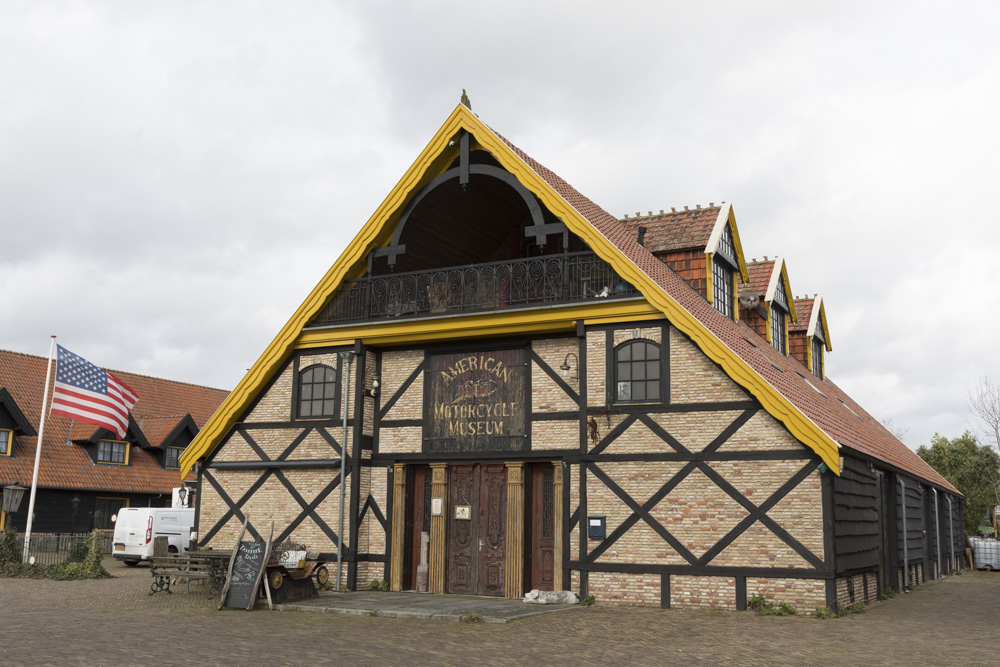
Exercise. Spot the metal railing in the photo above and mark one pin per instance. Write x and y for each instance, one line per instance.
(53, 548)
(536, 281)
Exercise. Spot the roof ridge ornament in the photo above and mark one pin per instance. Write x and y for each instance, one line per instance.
(465, 100)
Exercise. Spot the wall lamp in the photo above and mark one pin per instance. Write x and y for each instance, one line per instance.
(565, 367)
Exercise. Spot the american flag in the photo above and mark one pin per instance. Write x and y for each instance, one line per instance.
(86, 393)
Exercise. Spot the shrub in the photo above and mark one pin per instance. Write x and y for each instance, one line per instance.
(588, 601)
(77, 552)
(759, 604)
(8, 547)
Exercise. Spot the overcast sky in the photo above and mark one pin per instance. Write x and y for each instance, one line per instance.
(176, 176)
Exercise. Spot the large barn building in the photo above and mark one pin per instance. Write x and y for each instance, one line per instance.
(560, 399)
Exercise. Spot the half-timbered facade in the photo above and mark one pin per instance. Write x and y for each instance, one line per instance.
(521, 391)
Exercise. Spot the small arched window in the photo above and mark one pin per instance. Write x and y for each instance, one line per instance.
(318, 392)
(637, 372)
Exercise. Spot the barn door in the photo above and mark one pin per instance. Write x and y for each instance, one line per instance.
(477, 523)
(542, 526)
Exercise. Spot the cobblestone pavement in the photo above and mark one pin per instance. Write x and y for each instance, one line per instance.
(115, 622)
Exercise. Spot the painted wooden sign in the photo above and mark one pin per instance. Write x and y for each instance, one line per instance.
(474, 402)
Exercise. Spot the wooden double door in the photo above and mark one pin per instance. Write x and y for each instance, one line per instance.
(476, 513)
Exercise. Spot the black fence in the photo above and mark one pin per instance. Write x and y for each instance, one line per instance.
(53, 548)
(536, 281)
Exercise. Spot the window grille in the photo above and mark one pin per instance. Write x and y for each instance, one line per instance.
(637, 372)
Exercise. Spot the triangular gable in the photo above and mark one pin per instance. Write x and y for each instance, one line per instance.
(602, 232)
(8, 403)
(728, 217)
(817, 319)
(780, 273)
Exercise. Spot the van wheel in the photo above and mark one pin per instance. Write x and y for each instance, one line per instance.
(171, 550)
(130, 563)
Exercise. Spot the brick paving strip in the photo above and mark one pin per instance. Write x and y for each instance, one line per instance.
(115, 622)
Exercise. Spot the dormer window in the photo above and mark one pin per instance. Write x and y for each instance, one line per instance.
(114, 452)
(779, 319)
(817, 357)
(6, 442)
(173, 457)
(723, 268)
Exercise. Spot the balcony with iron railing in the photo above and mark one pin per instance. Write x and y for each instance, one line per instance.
(520, 283)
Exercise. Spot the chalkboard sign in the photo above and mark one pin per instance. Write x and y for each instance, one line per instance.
(248, 559)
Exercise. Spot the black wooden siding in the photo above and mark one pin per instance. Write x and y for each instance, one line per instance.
(54, 509)
(914, 520)
(855, 518)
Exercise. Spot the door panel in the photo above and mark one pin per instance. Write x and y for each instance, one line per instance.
(542, 524)
(463, 534)
(493, 529)
(476, 544)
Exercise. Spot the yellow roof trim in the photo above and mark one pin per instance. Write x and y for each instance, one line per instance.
(375, 231)
(780, 272)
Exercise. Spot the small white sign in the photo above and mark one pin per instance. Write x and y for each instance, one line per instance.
(595, 522)
(463, 511)
(437, 506)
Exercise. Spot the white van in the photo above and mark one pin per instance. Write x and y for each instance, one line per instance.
(137, 527)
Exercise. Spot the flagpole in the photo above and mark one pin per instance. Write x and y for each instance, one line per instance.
(38, 455)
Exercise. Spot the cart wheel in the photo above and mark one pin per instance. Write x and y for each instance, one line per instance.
(322, 575)
(277, 578)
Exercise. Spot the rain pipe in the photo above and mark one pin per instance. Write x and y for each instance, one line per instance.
(346, 358)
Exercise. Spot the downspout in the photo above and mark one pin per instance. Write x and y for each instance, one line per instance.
(346, 358)
(951, 536)
(906, 550)
(937, 533)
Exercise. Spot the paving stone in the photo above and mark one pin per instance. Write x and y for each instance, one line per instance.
(115, 622)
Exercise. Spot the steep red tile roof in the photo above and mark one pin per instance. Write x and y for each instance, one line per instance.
(677, 230)
(821, 401)
(67, 465)
(804, 308)
(760, 277)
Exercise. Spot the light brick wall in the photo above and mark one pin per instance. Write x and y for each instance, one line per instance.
(400, 440)
(546, 395)
(596, 368)
(696, 379)
(628, 589)
(654, 334)
(276, 405)
(711, 592)
(397, 366)
(803, 594)
(555, 434)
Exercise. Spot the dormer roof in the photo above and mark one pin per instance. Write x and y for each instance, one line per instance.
(17, 418)
(691, 229)
(819, 422)
(812, 319)
(765, 277)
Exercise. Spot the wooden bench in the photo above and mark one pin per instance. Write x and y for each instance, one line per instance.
(167, 570)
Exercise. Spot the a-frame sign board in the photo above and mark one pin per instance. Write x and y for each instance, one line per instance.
(246, 569)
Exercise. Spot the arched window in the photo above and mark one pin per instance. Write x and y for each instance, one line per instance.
(318, 392)
(637, 372)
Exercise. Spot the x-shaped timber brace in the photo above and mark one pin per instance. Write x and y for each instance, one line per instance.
(272, 468)
(699, 460)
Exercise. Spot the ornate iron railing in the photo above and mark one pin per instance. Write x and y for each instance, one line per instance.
(536, 281)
